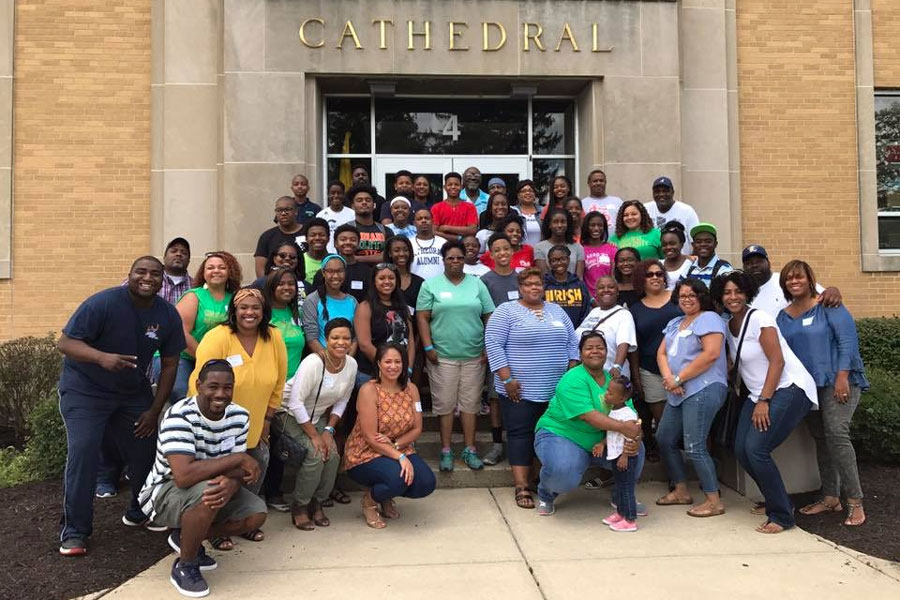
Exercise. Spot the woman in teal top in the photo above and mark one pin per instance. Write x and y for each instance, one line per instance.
(577, 419)
(635, 229)
(280, 291)
(203, 308)
(327, 302)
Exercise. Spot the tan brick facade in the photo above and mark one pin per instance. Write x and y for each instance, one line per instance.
(81, 155)
(886, 30)
(796, 81)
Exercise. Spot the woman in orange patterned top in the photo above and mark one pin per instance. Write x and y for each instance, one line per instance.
(379, 453)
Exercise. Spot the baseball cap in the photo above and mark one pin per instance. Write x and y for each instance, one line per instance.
(179, 240)
(704, 228)
(754, 250)
(663, 181)
(496, 181)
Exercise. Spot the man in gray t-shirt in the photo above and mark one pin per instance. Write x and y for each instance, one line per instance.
(501, 281)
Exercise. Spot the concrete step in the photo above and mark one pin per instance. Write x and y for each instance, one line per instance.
(432, 422)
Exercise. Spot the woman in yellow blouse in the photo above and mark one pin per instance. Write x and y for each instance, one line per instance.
(257, 353)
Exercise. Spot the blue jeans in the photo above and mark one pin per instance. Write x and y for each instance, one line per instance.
(623, 494)
(689, 423)
(563, 463)
(182, 378)
(87, 419)
(754, 448)
(382, 476)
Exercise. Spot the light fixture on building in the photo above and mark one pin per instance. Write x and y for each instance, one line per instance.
(522, 91)
(383, 88)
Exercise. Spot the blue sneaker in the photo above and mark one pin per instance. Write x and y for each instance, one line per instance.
(188, 580)
(446, 462)
(471, 459)
(545, 509)
(106, 490)
(206, 562)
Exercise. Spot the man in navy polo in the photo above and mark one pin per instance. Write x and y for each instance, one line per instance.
(105, 387)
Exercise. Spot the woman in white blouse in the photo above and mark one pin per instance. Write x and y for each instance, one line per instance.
(781, 390)
(321, 383)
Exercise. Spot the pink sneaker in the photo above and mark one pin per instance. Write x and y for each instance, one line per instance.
(623, 525)
(613, 519)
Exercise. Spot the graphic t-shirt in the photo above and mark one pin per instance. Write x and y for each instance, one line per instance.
(571, 295)
(427, 262)
(598, 262)
(647, 244)
(335, 219)
(680, 212)
(372, 239)
(608, 206)
(392, 328)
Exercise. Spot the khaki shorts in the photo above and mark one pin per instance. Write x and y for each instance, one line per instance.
(171, 501)
(456, 383)
(653, 387)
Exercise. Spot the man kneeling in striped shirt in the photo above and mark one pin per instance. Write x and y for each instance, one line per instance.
(196, 484)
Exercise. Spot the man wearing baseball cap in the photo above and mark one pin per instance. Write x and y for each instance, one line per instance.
(665, 208)
(771, 298)
(708, 264)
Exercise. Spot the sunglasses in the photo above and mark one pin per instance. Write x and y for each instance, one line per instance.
(385, 265)
(652, 274)
(286, 256)
(215, 254)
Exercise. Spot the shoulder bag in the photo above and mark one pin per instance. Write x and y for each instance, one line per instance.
(724, 427)
(289, 450)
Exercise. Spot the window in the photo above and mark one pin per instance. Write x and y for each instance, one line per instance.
(887, 157)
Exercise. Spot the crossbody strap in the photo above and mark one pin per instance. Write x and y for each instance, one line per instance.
(318, 391)
(735, 373)
(606, 318)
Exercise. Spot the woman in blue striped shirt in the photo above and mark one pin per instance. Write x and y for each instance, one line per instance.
(530, 344)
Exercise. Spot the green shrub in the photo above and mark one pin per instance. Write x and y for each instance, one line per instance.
(29, 371)
(879, 343)
(44, 455)
(876, 423)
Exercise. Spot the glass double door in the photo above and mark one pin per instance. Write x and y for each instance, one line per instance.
(509, 168)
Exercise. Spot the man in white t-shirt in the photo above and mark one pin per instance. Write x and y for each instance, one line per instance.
(598, 201)
(426, 260)
(665, 208)
(771, 297)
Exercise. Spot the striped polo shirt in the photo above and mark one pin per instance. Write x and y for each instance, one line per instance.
(184, 430)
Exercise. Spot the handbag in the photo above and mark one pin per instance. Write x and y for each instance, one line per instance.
(724, 427)
(289, 450)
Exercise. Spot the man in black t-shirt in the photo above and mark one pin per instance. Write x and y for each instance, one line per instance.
(372, 235)
(287, 230)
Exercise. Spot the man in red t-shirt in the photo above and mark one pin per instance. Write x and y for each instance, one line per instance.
(454, 217)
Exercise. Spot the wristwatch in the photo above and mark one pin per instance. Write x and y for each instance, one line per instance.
(678, 381)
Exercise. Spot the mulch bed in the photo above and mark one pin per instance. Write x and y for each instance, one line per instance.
(880, 535)
(33, 569)
(32, 566)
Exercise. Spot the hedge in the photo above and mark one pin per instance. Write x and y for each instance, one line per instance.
(876, 424)
(879, 343)
(29, 372)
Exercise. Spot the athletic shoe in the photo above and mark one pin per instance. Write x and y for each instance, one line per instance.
(446, 462)
(613, 518)
(494, 455)
(139, 519)
(207, 562)
(641, 510)
(623, 526)
(278, 503)
(545, 509)
(73, 546)
(106, 490)
(188, 580)
(471, 459)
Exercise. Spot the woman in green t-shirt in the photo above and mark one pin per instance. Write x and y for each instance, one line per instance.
(577, 419)
(634, 228)
(280, 291)
(203, 308)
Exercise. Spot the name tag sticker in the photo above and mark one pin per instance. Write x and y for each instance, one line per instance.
(418, 407)
(228, 444)
(300, 239)
(235, 360)
(446, 295)
(558, 324)
(808, 321)
(356, 285)
(685, 333)
(513, 294)
(327, 382)
(412, 310)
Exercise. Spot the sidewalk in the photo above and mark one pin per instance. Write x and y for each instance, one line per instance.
(475, 543)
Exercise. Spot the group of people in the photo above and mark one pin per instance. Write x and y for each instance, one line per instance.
(593, 331)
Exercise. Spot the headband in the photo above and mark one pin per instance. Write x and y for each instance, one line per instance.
(332, 256)
(243, 293)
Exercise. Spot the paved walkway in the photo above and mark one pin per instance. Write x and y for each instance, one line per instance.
(475, 543)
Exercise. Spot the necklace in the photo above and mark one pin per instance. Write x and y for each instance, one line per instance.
(537, 312)
(426, 247)
(331, 366)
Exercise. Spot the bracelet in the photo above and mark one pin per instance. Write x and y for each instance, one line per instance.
(409, 370)
(678, 380)
(506, 381)
(329, 429)
(617, 366)
(429, 348)
(401, 458)
(396, 446)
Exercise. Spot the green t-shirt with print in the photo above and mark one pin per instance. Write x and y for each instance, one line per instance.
(210, 314)
(576, 393)
(647, 244)
(294, 338)
(457, 331)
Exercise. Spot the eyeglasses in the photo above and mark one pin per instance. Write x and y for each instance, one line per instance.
(687, 296)
(454, 258)
(284, 211)
(287, 256)
(652, 274)
(385, 265)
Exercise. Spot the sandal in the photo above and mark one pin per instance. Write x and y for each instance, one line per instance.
(759, 508)
(596, 483)
(300, 517)
(317, 514)
(820, 506)
(254, 535)
(770, 528)
(370, 512)
(672, 500)
(709, 511)
(339, 496)
(852, 509)
(327, 503)
(222, 543)
(389, 510)
(524, 499)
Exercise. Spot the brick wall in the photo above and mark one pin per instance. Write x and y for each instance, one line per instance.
(81, 155)
(886, 31)
(796, 81)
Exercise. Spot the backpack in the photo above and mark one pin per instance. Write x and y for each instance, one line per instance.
(719, 264)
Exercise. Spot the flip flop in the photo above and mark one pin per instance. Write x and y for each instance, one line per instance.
(706, 512)
(759, 508)
(667, 501)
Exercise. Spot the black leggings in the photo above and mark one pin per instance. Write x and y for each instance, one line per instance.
(519, 419)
